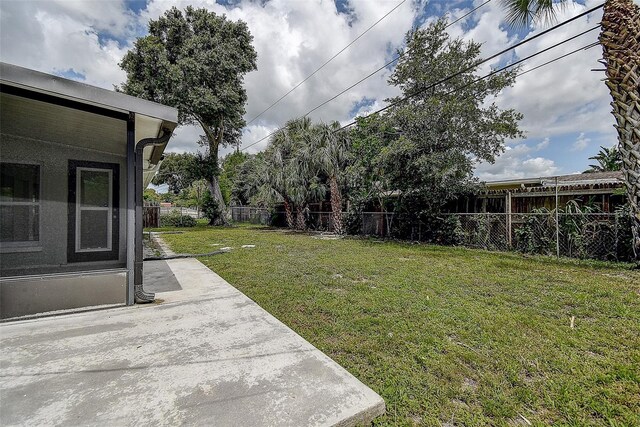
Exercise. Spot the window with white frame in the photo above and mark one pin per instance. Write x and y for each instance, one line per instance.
(94, 198)
(93, 218)
(19, 204)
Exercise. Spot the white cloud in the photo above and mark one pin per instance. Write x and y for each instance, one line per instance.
(185, 138)
(516, 162)
(543, 144)
(253, 134)
(581, 143)
(60, 36)
(538, 166)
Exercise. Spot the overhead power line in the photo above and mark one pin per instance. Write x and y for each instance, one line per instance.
(587, 47)
(511, 65)
(326, 62)
(527, 40)
(396, 58)
(580, 49)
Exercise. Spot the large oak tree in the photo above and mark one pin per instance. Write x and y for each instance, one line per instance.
(196, 61)
(441, 130)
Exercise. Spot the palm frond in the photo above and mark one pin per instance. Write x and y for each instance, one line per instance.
(521, 13)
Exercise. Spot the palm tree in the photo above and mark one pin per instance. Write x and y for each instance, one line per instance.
(278, 157)
(620, 40)
(608, 159)
(330, 149)
(291, 174)
(303, 172)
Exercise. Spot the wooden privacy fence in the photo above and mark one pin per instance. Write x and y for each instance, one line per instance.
(151, 216)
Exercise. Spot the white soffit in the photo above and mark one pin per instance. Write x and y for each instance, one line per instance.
(148, 127)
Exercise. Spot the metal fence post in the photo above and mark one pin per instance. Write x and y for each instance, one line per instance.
(507, 211)
(557, 223)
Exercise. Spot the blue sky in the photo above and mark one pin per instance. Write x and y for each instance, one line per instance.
(566, 106)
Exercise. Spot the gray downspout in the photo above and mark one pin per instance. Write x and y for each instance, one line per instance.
(140, 295)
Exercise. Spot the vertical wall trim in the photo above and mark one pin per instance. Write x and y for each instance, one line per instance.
(131, 206)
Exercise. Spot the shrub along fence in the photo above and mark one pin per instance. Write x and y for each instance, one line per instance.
(604, 236)
(576, 235)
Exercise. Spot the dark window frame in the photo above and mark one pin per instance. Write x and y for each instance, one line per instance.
(106, 255)
(19, 245)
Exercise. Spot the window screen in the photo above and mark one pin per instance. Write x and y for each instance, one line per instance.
(93, 217)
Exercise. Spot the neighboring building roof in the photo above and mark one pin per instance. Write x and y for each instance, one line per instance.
(26, 78)
(600, 177)
(581, 181)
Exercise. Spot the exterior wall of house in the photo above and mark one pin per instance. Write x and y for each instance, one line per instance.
(26, 295)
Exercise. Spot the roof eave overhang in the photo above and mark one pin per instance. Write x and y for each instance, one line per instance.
(151, 127)
(73, 91)
(151, 118)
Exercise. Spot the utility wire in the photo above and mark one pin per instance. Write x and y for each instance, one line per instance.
(587, 47)
(580, 49)
(326, 62)
(513, 64)
(396, 58)
(470, 67)
(476, 80)
(400, 55)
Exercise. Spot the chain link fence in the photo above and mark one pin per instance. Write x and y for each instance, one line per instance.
(604, 236)
(193, 212)
(576, 235)
(251, 215)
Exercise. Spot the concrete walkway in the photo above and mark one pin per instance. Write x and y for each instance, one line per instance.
(206, 355)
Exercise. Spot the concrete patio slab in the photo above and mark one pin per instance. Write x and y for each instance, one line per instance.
(207, 355)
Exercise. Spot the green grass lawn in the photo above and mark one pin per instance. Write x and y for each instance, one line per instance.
(450, 336)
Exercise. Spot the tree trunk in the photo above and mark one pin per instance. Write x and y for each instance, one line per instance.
(214, 138)
(336, 206)
(620, 40)
(217, 193)
(288, 213)
(301, 223)
(214, 188)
